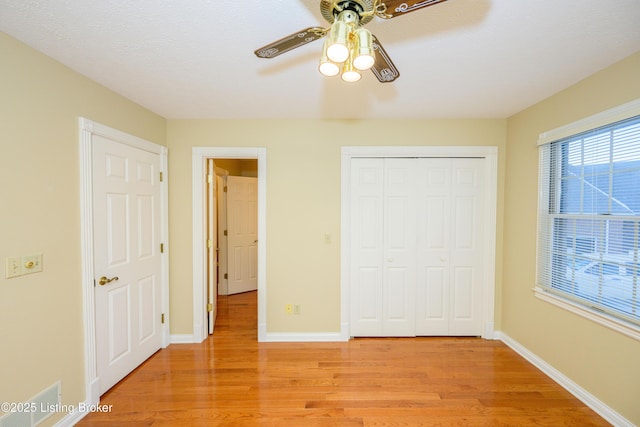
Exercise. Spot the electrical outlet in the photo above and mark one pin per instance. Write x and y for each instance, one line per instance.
(288, 308)
(32, 264)
(296, 309)
(13, 267)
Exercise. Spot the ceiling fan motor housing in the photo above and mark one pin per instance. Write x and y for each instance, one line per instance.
(330, 9)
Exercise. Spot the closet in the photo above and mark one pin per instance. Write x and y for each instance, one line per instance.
(416, 261)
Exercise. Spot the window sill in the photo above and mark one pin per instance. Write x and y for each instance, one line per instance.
(603, 319)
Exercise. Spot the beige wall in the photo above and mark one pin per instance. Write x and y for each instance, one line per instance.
(602, 361)
(41, 326)
(303, 203)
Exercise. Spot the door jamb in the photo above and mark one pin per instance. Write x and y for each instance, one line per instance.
(489, 153)
(89, 128)
(199, 156)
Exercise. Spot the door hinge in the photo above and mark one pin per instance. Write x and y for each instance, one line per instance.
(225, 232)
(162, 318)
(225, 189)
(161, 248)
(160, 176)
(209, 307)
(209, 244)
(226, 275)
(210, 179)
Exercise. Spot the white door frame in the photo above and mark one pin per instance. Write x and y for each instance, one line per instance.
(489, 153)
(89, 128)
(199, 156)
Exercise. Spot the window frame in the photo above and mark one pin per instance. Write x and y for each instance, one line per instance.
(608, 117)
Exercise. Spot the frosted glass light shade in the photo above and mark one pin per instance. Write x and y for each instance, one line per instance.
(364, 55)
(350, 74)
(329, 69)
(338, 42)
(326, 67)
(363, 62)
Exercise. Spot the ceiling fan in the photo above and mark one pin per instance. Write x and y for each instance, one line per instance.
(349, 48)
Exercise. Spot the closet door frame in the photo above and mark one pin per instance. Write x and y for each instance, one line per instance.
(489, 153)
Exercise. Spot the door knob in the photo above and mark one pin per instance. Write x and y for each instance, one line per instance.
(103, 280)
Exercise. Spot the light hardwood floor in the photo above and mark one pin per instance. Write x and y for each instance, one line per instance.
(232, 380)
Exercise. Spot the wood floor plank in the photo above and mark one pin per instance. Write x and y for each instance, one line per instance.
(232, 380)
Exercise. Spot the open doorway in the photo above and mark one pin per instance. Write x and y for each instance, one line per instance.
(231, 229)
(253, 162)
(236, 241)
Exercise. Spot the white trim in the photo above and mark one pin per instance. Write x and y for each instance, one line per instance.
(583, 395)
(612, 115)
(618, 325)
(303, 337)
(89, 128)
(71, 419)
(199, 155)
(182, 339)
(489, 153)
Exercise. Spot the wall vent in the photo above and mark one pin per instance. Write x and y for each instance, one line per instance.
(35, 410)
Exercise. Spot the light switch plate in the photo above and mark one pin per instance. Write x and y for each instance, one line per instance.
(13, 267)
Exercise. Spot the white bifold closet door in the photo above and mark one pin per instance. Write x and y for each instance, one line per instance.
(416, 239)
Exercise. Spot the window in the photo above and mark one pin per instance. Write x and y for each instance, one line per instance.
(589, 220)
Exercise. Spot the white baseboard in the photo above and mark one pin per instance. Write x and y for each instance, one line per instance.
(182, 339)
(72, 418)
(264, 336)
(587, 398)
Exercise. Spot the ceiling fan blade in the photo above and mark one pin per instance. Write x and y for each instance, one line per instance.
(383, 67)
(396, 8)
(291, 42)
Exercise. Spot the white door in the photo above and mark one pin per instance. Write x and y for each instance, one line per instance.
(450, 240)
(367, 252)
(126, 205)
(383, 247)
(416, 239)
(242, 234)
(212, 252)
(399, 246)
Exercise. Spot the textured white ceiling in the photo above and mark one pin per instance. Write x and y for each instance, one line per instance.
(458, 59)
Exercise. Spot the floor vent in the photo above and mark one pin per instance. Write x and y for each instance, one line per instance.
(35, 410)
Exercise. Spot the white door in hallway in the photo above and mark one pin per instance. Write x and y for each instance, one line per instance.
(416, 239)
(242, 234)
(126, 227)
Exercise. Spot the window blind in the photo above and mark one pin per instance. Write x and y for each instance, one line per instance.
(589, 219)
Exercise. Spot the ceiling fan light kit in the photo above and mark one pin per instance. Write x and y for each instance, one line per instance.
(326, 67)
(338, 42)
(349, 48)
(364, 56)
